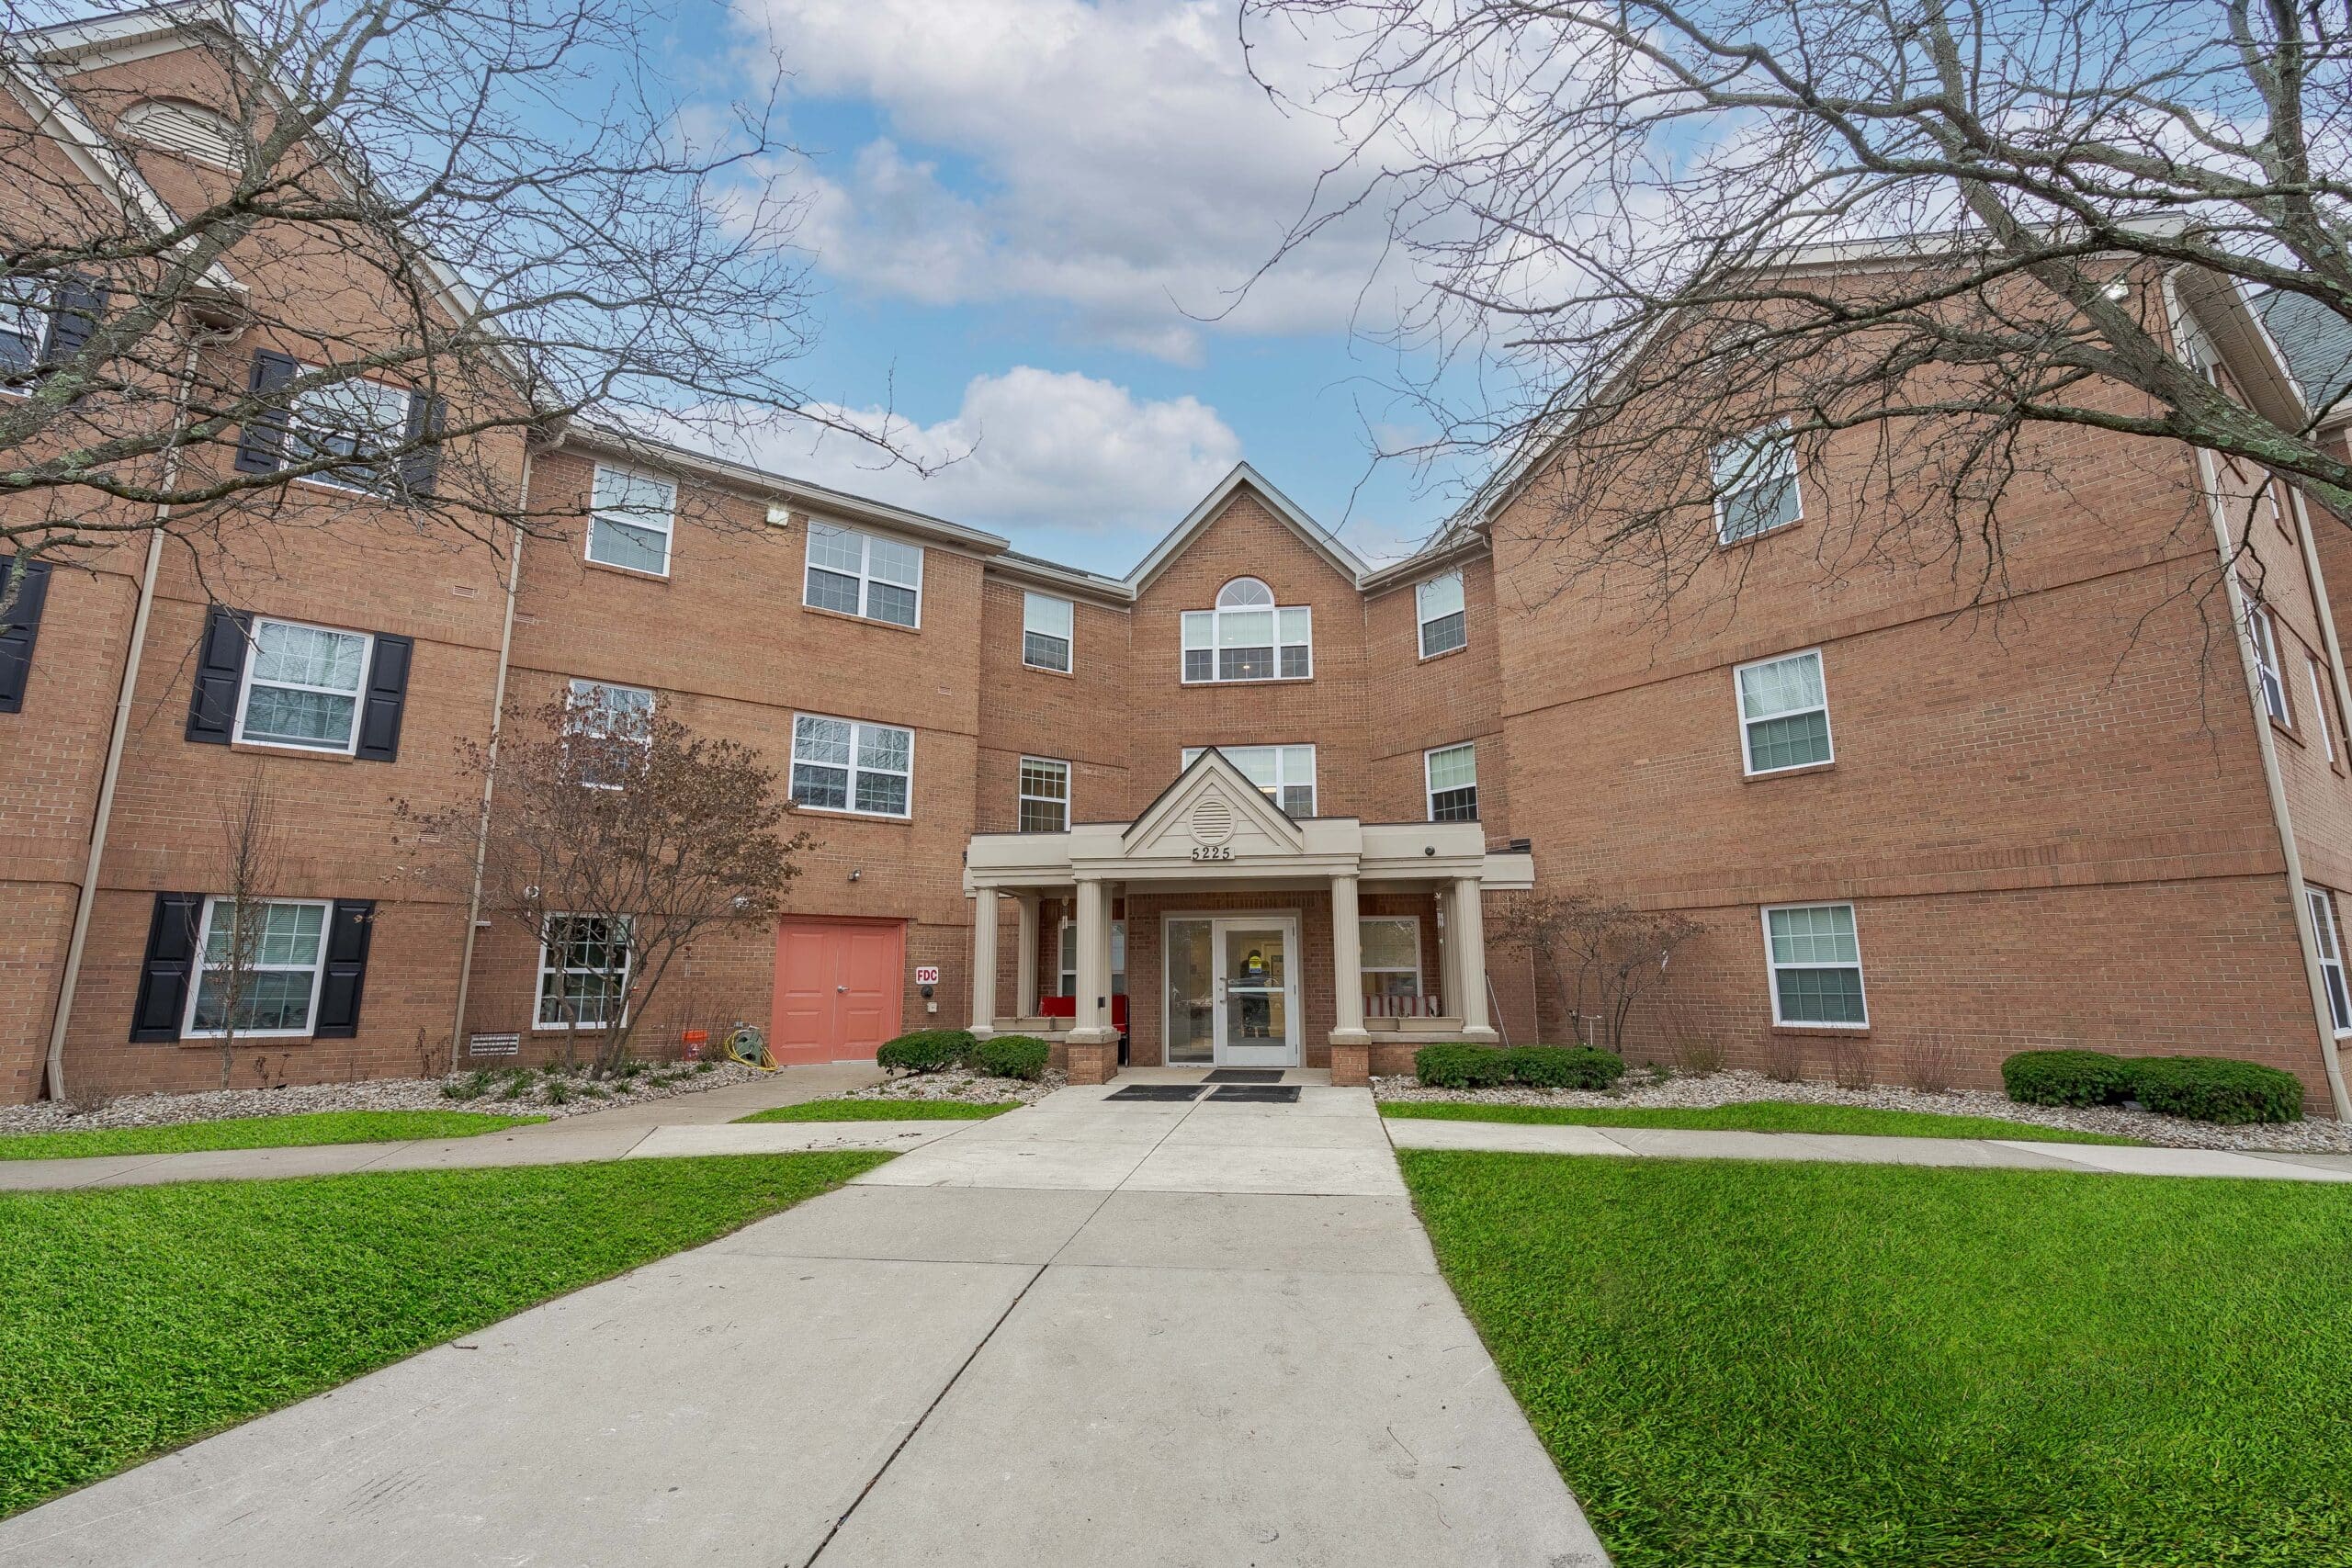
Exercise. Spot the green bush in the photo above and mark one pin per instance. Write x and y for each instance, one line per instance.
(2066, 1077)
(1461, 1067)
(1564, 1066)
(1013, 1056)
(2215, 1089)
(927, 1051)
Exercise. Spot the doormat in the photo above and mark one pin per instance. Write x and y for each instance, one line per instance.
(1156, 1092)
(1258, 1093)
(1245, 1075)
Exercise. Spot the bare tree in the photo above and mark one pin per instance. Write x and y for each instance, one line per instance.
(1604, 959)
(618, 845)
(441, 225)
(1955, 230)
(231, 992)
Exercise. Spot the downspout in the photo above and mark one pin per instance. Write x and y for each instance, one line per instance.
(2305, 935)
(490, 776)
(61, 1018)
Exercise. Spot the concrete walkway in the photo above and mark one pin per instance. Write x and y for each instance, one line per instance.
(1083, 1333)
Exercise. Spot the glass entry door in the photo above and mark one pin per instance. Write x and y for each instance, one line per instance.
(1230, 995)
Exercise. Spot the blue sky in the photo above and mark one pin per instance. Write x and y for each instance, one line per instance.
(1019, 213)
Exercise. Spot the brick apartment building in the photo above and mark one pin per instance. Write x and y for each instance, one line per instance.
(1254, 802)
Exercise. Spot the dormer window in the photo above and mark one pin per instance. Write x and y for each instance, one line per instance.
(1249, 638)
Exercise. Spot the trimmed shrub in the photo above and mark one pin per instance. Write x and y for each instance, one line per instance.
(927, 1051)
(2066, 1077)
(1564, 1066)
(2215, 1089)
(1461, 1067)
(1013, 1056)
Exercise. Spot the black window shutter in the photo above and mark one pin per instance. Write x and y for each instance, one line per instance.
(422, 467)
(74, 318)
(19, 627)
(264, 434)
(379, 714)
(348, 931)
(219, 666)
(164, 975)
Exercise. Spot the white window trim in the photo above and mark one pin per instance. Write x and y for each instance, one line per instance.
(1772, 967)
(577, 702)
(197, 967)
(1797, 486)
(1363, 969)
(667, 528)
(1424, 620)
(1191, 754)
(21, 385)
(1739, 712)
(853, 768)
(2270, 672)
(324, 478)
(358, 695)
(539, 981)
(2321, 904)
(865, 575)
(1070, 643)
(1066, 958)
(1429, 785)
(1023, 797)
(1217, 614)
(2320, 706)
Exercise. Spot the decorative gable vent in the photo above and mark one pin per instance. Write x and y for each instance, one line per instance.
(1212, 821)
(189, 130)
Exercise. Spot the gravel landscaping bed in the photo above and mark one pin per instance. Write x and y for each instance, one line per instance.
(1734, 1088)
(580, 1094)
(974, 1089)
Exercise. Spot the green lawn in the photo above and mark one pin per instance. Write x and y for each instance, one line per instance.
(1741, 1363)
(878, 1110)
(1757, 1116)
(258, 1133)
(137, 1319)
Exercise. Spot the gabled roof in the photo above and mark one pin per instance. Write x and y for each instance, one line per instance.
(1212, 774)
(1341, 559)
(2317, 344)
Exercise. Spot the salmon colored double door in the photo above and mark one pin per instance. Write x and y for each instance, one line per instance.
(837, 991)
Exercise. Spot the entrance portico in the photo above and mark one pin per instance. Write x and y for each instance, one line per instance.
(1244, 932)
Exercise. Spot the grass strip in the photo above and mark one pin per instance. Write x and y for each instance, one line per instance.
(1752, 1116)
(258, 1133)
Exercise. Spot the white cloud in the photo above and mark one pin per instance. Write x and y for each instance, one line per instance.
(1030, 449)
(1122, 164)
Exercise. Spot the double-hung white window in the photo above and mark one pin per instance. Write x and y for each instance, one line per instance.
(631, 519)
(1045, 795)
(603, 714)
(840, 764)
(2262, 633)
(1249, 638)
(272, 954)
(1066, 961)
(354, 418)
(1756, 484)
(1391, 957)
(864, 575)
(2331, 957)
(1045, 625)
(584, 971)
(302, 687)
(1453, 779)
(1816, 963)
(28, 316)
(1287, 773)
(1783, 713)
(1444, 625)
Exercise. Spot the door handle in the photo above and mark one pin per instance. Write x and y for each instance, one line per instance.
(841, 988)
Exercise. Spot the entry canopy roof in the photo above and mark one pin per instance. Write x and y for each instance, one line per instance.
(1213, 825)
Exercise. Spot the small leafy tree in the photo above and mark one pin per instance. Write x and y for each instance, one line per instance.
(252, 859)
(618, 845)
(1602, 959)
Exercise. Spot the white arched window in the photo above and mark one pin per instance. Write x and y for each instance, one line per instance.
(1249, 638)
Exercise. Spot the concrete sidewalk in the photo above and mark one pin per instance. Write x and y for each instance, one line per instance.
(1078, 1334)
(1660, 1143)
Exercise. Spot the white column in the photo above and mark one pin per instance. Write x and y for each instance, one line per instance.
(1347, 966)
(1024, 980)
(984, 962)
(1449, 973)
(1092, 1026)
(1470, 959)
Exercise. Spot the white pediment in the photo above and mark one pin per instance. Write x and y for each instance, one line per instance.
(1212, 813)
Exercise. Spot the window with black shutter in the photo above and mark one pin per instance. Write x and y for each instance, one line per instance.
(259, 449)
(219, 667)
(164, 974)
(27, 582)
(379, 717)
(349, 930)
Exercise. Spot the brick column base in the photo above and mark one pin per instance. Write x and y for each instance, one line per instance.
(1093, 1064)
(1351, 1066)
